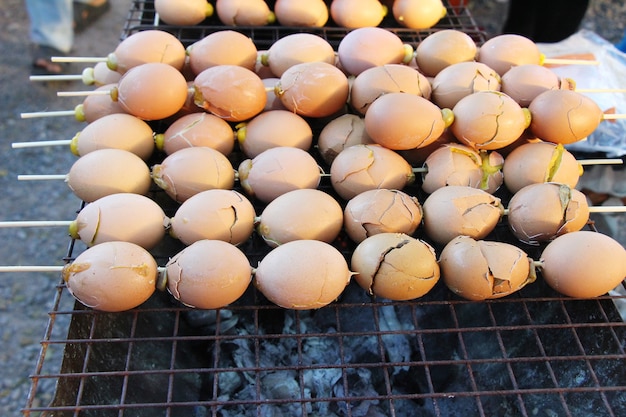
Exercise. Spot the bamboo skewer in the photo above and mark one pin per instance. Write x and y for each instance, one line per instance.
(31, 268)
(35, 177)
(61, 142)
(78, 59)
(34, 223)
(564, 61)
(56, 113)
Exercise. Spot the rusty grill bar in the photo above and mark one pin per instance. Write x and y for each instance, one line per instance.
(535, 353)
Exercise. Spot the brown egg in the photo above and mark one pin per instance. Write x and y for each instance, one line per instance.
(189, 171)
(291, 278)
(224, 47)
(152, 91)
(502, 52)
(244, 12)
(278, 170)
(108, 171)
(186, 13)
(313, 89)
(146, 46)
(197, 129)
(307, 13)
(564, 116)
(583, 264)
(481, 270)
(458, 210)
(525, 82)
(121, 217)
(391, 121)
(488, 120)
(231, 92)
(216, 215)
(390, 78)
(301, 214)
(360, 168)
(340, 133)
(98, 105)
(418, 14)
(208, 274)
(395, 266)
(454, 164)
(417, 156)
(271, 129)
(381, 211)
(357, 13)
(112, 276)
(297, 48)
(541, 212)
(120, 131)
(458, 80)
(538, 162)
(368, 47)
(443, 48)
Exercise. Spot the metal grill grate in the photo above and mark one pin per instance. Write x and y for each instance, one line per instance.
(535, 353)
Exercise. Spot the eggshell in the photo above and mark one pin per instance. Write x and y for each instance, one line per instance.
(185, 13)
(98, 105)
(480, 270)
(271, 129)
(392, 121)
(297, 48)
(216, 215)
(525, 82)
(189, 171)
(301, 214)
(390, 78)
(341, 132)
(208, 274)
(395, 266)
(360, 168)
(357, 13)
(488, 120)
(460, 210)
(152, 91)
(458, 80)
(540, 212)
(108, 171)
(119, 131)
(502, 52)
(313, 89)
(147, 46)
(223, 47)
(306, 13)
(198, 129)
(121, 217)
(231, 92)
(443, 48)
(538, 162)
(112, 276)
(564, 116)
(291, 278)
(453, 164)
(381, 211)
(244, 12)
(583, 264)
(418, 14)
(278, 170)
(368, 47)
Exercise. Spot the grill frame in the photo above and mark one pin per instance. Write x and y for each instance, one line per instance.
(98, 375)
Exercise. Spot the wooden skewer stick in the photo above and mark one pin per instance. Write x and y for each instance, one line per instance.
(563, 61)
(17, 145)
(595, 209)
(31, 268)
(35, 177)
(607, 116)
(600, 90)
(83, 93)
(57, 113)
(60, 77)
(600, 161)
(78, 59)
(35, 223)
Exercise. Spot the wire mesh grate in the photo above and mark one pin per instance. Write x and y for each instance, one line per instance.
(532, 353)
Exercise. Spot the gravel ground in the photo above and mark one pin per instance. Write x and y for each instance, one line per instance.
(26, 298)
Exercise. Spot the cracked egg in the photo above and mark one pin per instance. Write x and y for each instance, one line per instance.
(208, 274)
(340, 133)
(480, 270)
(197, 129)
(540, 212)
(443, 48)
(216, 215)
(395, 266)
(458, 80)
(297, 48)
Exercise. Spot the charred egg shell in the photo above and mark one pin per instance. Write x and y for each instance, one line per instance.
(395, 266)
(112, 276)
